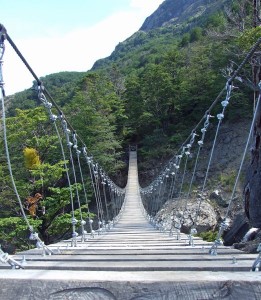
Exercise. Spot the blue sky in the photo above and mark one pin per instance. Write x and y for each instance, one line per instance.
(56, 35)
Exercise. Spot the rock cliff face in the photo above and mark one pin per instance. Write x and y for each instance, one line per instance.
(226, 160)
(175, 12)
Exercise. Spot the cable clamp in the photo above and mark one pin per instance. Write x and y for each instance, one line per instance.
(74, 221)
(225, 103)
(53, 117)
(220, 116)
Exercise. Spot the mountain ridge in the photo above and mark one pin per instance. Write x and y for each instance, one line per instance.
(172, 12)
(173, 17)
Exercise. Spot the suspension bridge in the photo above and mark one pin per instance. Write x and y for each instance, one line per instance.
(129, 255)
(131, 261)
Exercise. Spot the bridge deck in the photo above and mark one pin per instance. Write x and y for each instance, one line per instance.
(132, 261)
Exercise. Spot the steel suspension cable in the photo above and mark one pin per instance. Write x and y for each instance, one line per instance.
(224, 224)
(34, 234)
(75, 147)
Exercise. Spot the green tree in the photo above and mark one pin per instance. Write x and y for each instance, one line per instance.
(38, 170)
(196, 34)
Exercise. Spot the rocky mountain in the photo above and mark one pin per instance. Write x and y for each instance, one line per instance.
(172, 19)
(176, 12)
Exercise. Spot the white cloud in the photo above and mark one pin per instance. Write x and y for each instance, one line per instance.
(77, 50)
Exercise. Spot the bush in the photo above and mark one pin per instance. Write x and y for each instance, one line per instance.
(209, 236)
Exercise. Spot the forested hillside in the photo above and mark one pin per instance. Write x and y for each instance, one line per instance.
(150, 91)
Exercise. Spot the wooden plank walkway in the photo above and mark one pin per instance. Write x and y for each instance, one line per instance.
(132, 261)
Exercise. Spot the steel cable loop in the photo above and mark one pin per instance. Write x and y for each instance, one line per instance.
(171, 182)
(78, 152)
(53, 118)
(177, 167)
(200, 145)
(177, 223)
(174, 174)
(99, 205)
(103, 200)
(69, 145)
(33, 234)
(188, 153)
(160, 188)
(85, 191)
(182, 177)
(100, 208)
(103, 182)
(89, 161)
(112, 202)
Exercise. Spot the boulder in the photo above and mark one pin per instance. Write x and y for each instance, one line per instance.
(173, 211)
